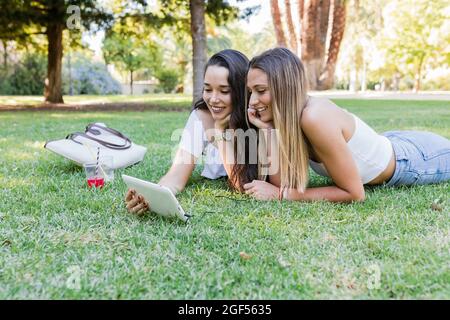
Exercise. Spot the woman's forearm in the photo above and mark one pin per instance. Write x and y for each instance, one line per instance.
(330, 193)
(173, 183)
(180, 171)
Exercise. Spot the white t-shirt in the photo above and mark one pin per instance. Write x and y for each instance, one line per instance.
(194, 141)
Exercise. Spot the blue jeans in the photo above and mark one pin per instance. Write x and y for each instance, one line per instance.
(421, 158)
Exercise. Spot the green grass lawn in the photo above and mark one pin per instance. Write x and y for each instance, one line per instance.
(53, 228)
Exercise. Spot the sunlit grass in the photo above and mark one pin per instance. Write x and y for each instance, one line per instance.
(50, 222)
(93, 99)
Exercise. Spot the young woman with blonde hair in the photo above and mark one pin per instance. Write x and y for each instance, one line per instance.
(315, 132)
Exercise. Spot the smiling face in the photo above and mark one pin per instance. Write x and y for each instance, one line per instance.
(260, 98)
(217, 92)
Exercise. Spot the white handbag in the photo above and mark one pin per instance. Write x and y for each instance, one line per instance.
(81, 147)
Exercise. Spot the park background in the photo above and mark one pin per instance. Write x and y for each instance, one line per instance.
(112, 47)
(137, 66)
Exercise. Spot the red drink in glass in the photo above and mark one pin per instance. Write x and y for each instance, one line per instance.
(96, 182)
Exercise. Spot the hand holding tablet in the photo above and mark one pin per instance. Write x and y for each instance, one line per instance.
(136, 204)
(162, 200)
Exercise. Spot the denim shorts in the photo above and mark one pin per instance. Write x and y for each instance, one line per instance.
(421, 158)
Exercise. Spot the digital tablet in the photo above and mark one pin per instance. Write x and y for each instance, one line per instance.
(162, 201)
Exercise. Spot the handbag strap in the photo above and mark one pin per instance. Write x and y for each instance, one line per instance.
(89, 128)
(104, 143)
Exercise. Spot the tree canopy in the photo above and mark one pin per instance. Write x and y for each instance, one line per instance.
(22, 19)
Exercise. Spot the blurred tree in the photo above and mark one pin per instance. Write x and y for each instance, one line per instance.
(189, 16)
(318, 56)
(198, 31)
(22, 19)
(277, 23)
(88, 76)
(130, 47)
(235, 36)
(291, 27)
(177, 46)
(26, 77)
(5, 54)
(417, 33)
(326, 78)
(359, 52)
(177, 54)
(168, 79)
(216, 38)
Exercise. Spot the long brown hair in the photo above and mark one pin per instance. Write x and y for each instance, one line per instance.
(237, 65)
(288, 89)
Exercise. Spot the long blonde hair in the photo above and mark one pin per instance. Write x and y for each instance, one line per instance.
(288, 89)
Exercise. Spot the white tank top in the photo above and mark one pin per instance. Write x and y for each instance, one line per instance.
(371, 152)
(194, 141)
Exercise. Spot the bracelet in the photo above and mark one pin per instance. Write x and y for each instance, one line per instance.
(223, 136)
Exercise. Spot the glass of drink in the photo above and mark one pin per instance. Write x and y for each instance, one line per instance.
(99, 173)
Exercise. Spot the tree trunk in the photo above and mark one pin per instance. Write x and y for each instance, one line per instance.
(69, 65)
(182, 67)
(198, 32)
(301, 12)
(396, 81)
(312, 56)
(353, 78)
(324, 14)
(364, 78)
(278, 26)
(418, 75)
(337, 33)
(52, 92)
(292, 34)
(131, 82)
(5, 54)
(301, 9)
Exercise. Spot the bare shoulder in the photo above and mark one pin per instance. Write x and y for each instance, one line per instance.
(318, 112)
(322, 118)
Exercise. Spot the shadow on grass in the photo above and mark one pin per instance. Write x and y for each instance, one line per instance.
(110, 106)
(63, 167)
